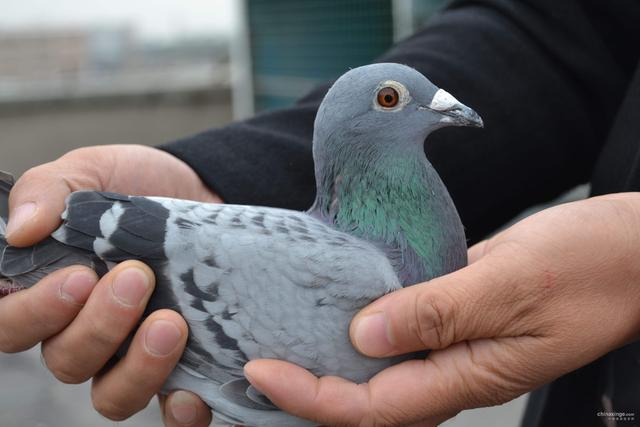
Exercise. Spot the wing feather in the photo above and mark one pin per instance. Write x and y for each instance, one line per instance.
(252, 282)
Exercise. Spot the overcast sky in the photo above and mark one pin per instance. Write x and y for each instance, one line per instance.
(151, 18)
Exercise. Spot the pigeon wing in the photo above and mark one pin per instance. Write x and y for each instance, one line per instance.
(252, 282)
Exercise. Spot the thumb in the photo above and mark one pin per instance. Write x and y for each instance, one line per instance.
(38, 199)
(478, 301)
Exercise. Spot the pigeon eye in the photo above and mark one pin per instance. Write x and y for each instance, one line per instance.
(388, 97)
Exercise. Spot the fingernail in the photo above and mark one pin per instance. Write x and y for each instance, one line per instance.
(162, 337)
(247, 374)
(77, 287)
(183, 408)
(372, 335)
(130, 286)
(19, 216)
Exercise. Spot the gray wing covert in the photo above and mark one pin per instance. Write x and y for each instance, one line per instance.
(271, 283)
(252, 282)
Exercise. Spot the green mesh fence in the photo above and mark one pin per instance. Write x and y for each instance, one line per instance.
(296, 44)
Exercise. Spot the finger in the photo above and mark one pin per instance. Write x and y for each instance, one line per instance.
(464, 376)
(154, 352)
(112, 311)
(32, 315)
(477, 251)
(326, 400)
(482, 300)
(37, 199)
(183, 408)
(427, 392)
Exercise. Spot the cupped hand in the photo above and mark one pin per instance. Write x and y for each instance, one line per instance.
(82, 321)
(545, 297)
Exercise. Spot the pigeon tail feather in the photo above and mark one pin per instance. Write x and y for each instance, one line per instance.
(115, 227)
(6, 184)
(21, 268)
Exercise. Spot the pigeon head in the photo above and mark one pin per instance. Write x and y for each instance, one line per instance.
(388, 104)
(373, 122)
(373, 178)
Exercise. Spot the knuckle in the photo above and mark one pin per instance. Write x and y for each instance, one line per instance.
(30, 181)
(9, 345)
(62, 361)
(6, 343)
(101, 334)
(108, 408)
(20, 337)
(386, 415)
(135, 376)
(490, 383)
(40, 316)
(31, 173)
(65, 371)
(433, 320)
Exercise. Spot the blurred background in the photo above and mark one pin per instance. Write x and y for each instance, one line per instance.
(151, 71)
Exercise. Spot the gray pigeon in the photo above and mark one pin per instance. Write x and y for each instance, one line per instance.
(259, 282)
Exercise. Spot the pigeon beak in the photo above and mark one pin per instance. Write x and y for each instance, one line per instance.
(453, 111)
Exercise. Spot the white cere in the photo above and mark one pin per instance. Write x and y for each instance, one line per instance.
(443, 101)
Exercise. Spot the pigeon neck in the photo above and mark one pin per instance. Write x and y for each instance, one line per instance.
(396, 201)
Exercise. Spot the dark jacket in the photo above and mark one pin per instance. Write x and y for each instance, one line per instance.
(557, 83)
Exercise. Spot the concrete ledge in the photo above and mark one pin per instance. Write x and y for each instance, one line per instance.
(201, 96)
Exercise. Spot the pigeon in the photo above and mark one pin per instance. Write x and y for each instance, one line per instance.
(261, 282)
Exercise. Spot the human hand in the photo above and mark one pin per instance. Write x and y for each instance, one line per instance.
(81, 321)
(545, 297)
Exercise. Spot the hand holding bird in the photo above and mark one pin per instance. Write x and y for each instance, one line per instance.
(521, 314)
(546, 296)
(76, 308)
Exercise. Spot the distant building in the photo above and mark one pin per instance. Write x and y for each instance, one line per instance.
(64, 63)
(43, 54)
(56, 53)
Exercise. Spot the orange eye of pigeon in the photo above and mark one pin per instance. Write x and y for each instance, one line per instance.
(388, 97)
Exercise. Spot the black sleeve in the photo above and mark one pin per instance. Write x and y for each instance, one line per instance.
(541, 74)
